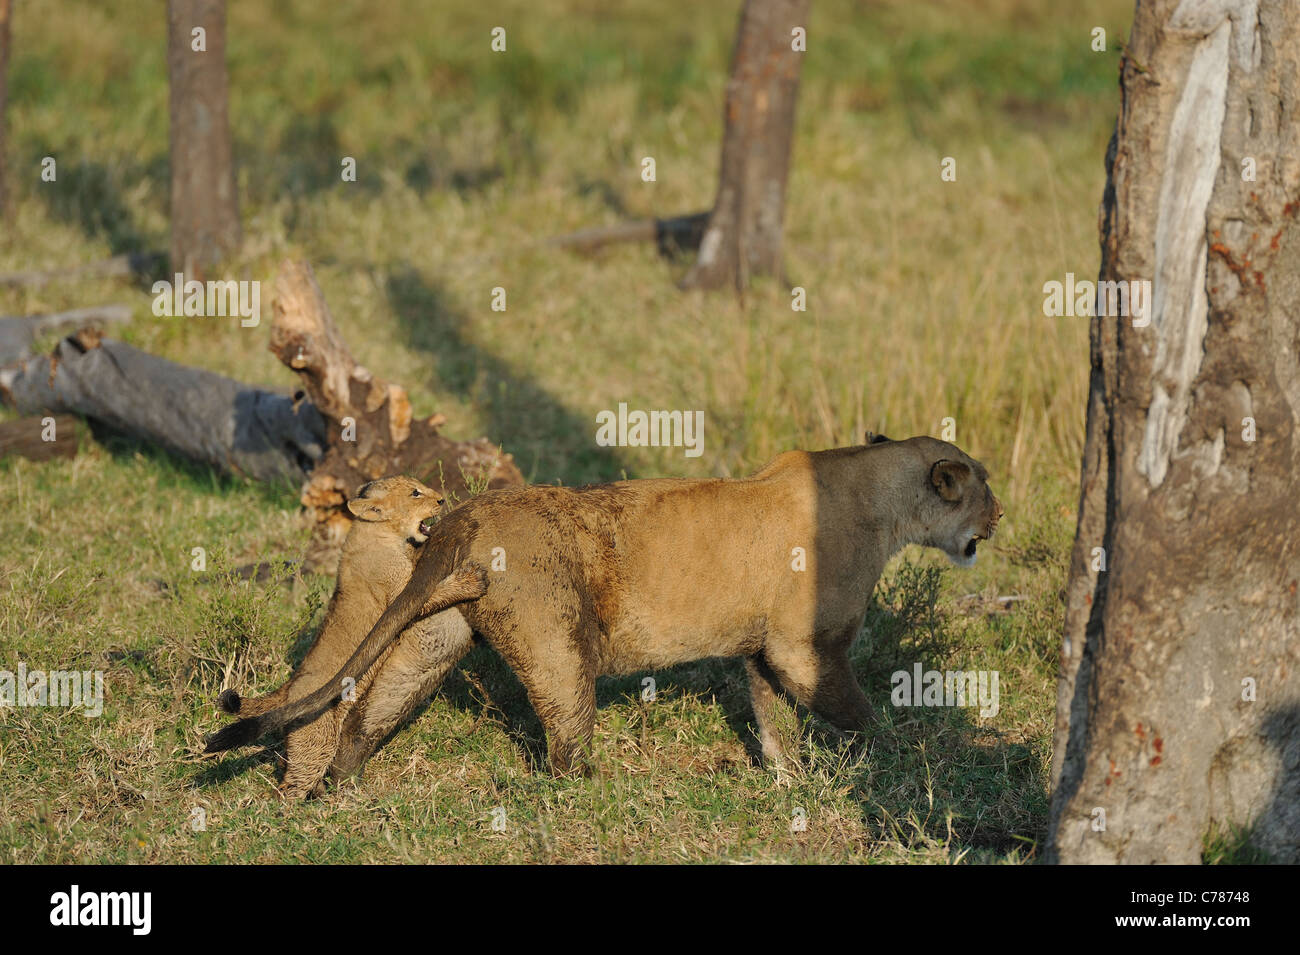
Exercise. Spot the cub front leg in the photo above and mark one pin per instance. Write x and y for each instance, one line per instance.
(308, 751)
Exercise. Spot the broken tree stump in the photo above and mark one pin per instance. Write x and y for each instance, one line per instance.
(369, 426)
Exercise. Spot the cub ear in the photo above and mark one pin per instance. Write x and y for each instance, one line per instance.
(950, 478)
(873, 438)
(365, 509)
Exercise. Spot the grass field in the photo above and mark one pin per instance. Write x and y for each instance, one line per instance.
(924, 302)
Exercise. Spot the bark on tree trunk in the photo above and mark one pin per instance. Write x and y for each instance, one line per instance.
(743, 236)
(204, 205)
(1178, 706)
(6, 11)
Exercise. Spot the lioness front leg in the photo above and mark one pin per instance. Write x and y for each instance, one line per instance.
(820, 677)
(837, 697)
(765, 696)
(425, 653)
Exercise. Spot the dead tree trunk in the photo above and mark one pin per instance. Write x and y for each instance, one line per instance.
(370, 430)
(1178, 706)
(204, 206)
(6, 11)
(743, 237)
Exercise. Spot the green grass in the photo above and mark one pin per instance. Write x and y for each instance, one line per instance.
(924, 303)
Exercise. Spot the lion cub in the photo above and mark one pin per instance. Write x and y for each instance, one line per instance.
(393, 516)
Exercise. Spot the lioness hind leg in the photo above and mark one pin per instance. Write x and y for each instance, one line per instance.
(561, 686)
(567, 709)
(425, 652)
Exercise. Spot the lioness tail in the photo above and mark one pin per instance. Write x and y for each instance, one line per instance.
(468, 583)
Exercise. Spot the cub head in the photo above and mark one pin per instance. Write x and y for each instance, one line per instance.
(403, 504)
(956, 507)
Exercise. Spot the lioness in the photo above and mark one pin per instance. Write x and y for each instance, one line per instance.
(635, 575)
(393, 516)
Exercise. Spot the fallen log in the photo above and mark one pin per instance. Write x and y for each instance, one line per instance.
(672, 235)
(135, 264)
(197, 414)
(346, 426)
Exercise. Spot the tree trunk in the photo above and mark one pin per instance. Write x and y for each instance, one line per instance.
(204, 206)
(6, 12)
(743, 236)
(1178, 707)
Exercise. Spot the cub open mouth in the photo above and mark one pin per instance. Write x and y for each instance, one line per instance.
(426, 527)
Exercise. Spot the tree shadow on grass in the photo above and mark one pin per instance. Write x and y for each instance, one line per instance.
(549, 441)
(89, 195)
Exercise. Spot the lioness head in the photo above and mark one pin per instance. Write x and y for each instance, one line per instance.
(403, 503)
(957, 508)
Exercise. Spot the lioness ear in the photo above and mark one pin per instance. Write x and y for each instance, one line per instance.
(949, 478)
(873, 438)
(365, 509)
